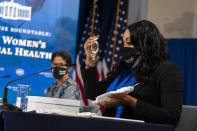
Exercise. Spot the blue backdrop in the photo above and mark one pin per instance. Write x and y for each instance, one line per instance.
(30, 30)
(183, 52)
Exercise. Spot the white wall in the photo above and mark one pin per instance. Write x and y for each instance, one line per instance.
(195, 20)
(174, 18)
(137, 10)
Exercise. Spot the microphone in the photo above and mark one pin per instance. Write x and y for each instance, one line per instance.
(8, 106)
(5, 76)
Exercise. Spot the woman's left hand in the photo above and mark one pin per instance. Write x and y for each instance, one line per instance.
(119, 99)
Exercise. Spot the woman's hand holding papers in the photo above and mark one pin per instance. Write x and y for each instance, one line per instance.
(118, 99)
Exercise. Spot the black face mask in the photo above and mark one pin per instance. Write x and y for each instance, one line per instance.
(59, 72)
(130, 56)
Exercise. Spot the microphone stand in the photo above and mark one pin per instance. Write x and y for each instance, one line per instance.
(6, 105)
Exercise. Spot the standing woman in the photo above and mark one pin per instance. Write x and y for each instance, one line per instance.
(158, 96)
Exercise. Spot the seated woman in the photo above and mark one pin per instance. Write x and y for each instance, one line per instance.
(158, 96)
(65, 87)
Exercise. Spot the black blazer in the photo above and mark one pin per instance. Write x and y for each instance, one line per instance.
(158, 101)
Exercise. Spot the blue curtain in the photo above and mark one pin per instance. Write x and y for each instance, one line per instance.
(183, 52)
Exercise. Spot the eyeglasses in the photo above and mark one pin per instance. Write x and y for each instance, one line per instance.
(58, 64)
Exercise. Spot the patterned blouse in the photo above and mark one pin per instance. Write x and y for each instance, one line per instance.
(67, 90)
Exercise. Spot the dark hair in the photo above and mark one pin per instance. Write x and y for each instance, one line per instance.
(65, 56)
(146, 39)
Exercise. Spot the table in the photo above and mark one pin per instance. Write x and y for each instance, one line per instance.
(24, 121)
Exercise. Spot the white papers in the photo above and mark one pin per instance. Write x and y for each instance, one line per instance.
(48, 104)
(122, 119)
(104, 97)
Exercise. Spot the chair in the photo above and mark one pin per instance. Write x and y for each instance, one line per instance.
(188, 121)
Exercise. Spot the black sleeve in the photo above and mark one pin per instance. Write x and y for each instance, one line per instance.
(170, 85)
(93, 87)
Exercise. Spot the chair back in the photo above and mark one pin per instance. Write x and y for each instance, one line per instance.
(188, 120)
